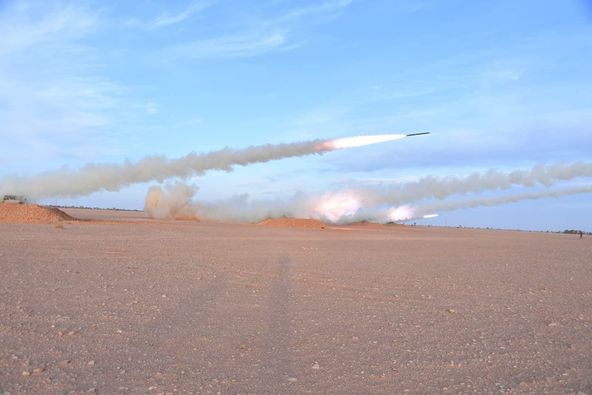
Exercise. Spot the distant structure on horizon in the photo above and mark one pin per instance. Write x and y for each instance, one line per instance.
(14, 199)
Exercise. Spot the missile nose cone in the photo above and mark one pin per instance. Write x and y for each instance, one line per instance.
(417, 134)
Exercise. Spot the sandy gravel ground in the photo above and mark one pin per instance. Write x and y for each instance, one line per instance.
(137, 306)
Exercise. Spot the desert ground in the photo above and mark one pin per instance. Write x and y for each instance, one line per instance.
(122, 304)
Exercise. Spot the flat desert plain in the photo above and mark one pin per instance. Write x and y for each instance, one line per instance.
(120, 303)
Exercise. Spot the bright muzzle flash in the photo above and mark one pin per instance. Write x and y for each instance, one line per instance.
(428, 216)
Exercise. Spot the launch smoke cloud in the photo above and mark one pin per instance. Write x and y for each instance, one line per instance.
(397, 202)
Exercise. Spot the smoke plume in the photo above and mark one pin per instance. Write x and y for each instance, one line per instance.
(427, 209)
(173, 203)
(112, 177)
(176, 201)
(396, 202)
(443, 187)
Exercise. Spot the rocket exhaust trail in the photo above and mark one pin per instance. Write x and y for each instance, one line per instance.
(419, 211)
(360, 141)
(402, 201)
(113, 176)
(429, 187)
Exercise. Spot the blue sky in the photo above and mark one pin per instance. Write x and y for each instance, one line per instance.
(502, 84)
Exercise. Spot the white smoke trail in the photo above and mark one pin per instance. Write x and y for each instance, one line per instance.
(401, 200)
(443, 187)
(422, 211)
(398, 202)
(176, 202)
(112, 177)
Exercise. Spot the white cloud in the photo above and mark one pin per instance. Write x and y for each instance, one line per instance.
(22, 27)
(326, 9)
(151, 108)
(168, 19)
(53, 100)
(231, 46)
(262, 35)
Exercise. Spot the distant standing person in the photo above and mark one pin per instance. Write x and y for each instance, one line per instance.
(581, 234)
